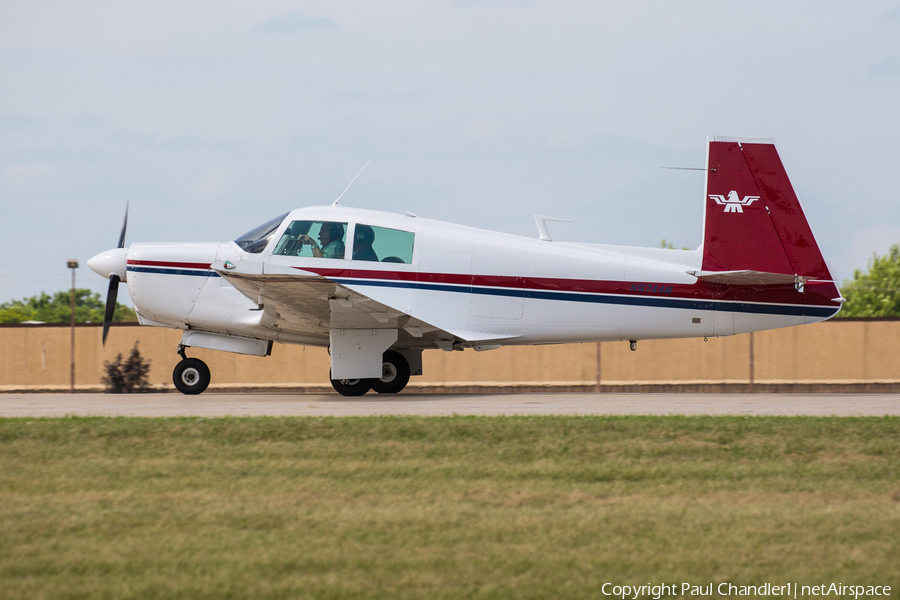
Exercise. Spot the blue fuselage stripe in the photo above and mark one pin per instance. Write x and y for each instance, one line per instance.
(649, 301)
(159, 271)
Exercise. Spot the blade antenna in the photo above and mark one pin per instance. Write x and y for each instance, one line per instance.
(687, 168)
(335, 203)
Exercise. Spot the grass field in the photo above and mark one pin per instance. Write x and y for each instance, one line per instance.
(461, 507)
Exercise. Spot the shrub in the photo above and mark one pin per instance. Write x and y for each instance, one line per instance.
(127, 377)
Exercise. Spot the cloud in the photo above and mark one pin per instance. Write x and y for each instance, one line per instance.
(17, 122)
(892, 15)
(889, 67)
(24, 172)
(519, 3)
(214, 184)
(295, 22)
(484, 129)
(863, 244)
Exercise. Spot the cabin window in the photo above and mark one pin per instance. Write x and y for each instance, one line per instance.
(380, 244)
(256, 240)
(316, 239)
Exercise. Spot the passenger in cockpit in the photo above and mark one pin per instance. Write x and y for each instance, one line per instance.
(362, 244)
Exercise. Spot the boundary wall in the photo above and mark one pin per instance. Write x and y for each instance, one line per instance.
(842, 355)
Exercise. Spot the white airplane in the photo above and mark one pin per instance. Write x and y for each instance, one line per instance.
(378, 288)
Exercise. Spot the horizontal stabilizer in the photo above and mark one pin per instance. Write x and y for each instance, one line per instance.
(748, 278)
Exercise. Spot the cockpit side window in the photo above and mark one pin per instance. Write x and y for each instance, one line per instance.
(319, 239)
(256, 240)
(381, 244)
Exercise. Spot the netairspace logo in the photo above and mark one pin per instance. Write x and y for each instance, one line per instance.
(787, 590)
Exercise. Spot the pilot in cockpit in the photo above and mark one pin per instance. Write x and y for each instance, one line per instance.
(330, 245)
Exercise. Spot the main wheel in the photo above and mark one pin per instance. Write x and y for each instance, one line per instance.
(394, 374)
(191, 376)
(351, 387)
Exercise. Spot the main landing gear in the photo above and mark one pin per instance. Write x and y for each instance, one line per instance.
(394, 374)
(191, 375)
(394, 377)
(351, 387)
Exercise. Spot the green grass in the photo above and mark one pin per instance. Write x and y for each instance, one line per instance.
(462, 507)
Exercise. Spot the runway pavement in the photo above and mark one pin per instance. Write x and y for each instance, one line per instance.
(216, 405)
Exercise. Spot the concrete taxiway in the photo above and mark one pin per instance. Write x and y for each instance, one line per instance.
(218, 405)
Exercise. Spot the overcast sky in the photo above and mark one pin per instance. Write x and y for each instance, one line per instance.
(213, 117)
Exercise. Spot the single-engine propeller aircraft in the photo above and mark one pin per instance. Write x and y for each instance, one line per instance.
(378, 288)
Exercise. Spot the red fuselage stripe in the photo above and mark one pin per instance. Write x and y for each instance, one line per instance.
(784, 294)
(164, 264)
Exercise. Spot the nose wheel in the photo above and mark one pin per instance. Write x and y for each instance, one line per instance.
(191, 376)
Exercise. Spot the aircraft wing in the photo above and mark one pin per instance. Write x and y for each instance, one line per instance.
(302, 302)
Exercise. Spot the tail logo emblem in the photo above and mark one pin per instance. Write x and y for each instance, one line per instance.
(733, 204)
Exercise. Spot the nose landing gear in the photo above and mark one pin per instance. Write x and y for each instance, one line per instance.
(191, 375)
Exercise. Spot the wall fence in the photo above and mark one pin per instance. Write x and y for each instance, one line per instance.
(842, 355)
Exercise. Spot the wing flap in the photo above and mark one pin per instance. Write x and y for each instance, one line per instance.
(301, 302)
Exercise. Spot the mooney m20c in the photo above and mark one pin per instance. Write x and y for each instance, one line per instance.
(378, 288)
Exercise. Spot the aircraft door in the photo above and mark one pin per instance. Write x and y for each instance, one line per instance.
(498, 292)
(444, 271)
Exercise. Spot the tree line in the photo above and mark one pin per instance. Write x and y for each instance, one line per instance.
(44, 308)
(874, 292)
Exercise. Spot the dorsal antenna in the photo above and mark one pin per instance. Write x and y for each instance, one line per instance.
(541, 221)
(689, 169)
(335, 203)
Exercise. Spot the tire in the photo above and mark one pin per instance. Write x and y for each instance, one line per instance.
(395, 376)
(191, 376)
(351, 387)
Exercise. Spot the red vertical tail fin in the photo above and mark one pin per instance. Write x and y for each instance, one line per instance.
(754, 220)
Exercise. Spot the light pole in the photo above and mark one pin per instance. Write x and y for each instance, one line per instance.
(72, 264)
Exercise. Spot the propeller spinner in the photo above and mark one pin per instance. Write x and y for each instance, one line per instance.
(111, 264)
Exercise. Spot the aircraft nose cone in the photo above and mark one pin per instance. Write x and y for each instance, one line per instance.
(111, 262)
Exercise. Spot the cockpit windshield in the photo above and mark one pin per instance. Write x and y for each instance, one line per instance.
(256, 240)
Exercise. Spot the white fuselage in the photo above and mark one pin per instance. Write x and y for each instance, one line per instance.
(520, 290)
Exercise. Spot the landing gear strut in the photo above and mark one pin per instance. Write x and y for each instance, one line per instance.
(191, 375)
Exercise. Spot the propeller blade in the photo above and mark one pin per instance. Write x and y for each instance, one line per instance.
(113, 284)
(110, 304)
(124, 226)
